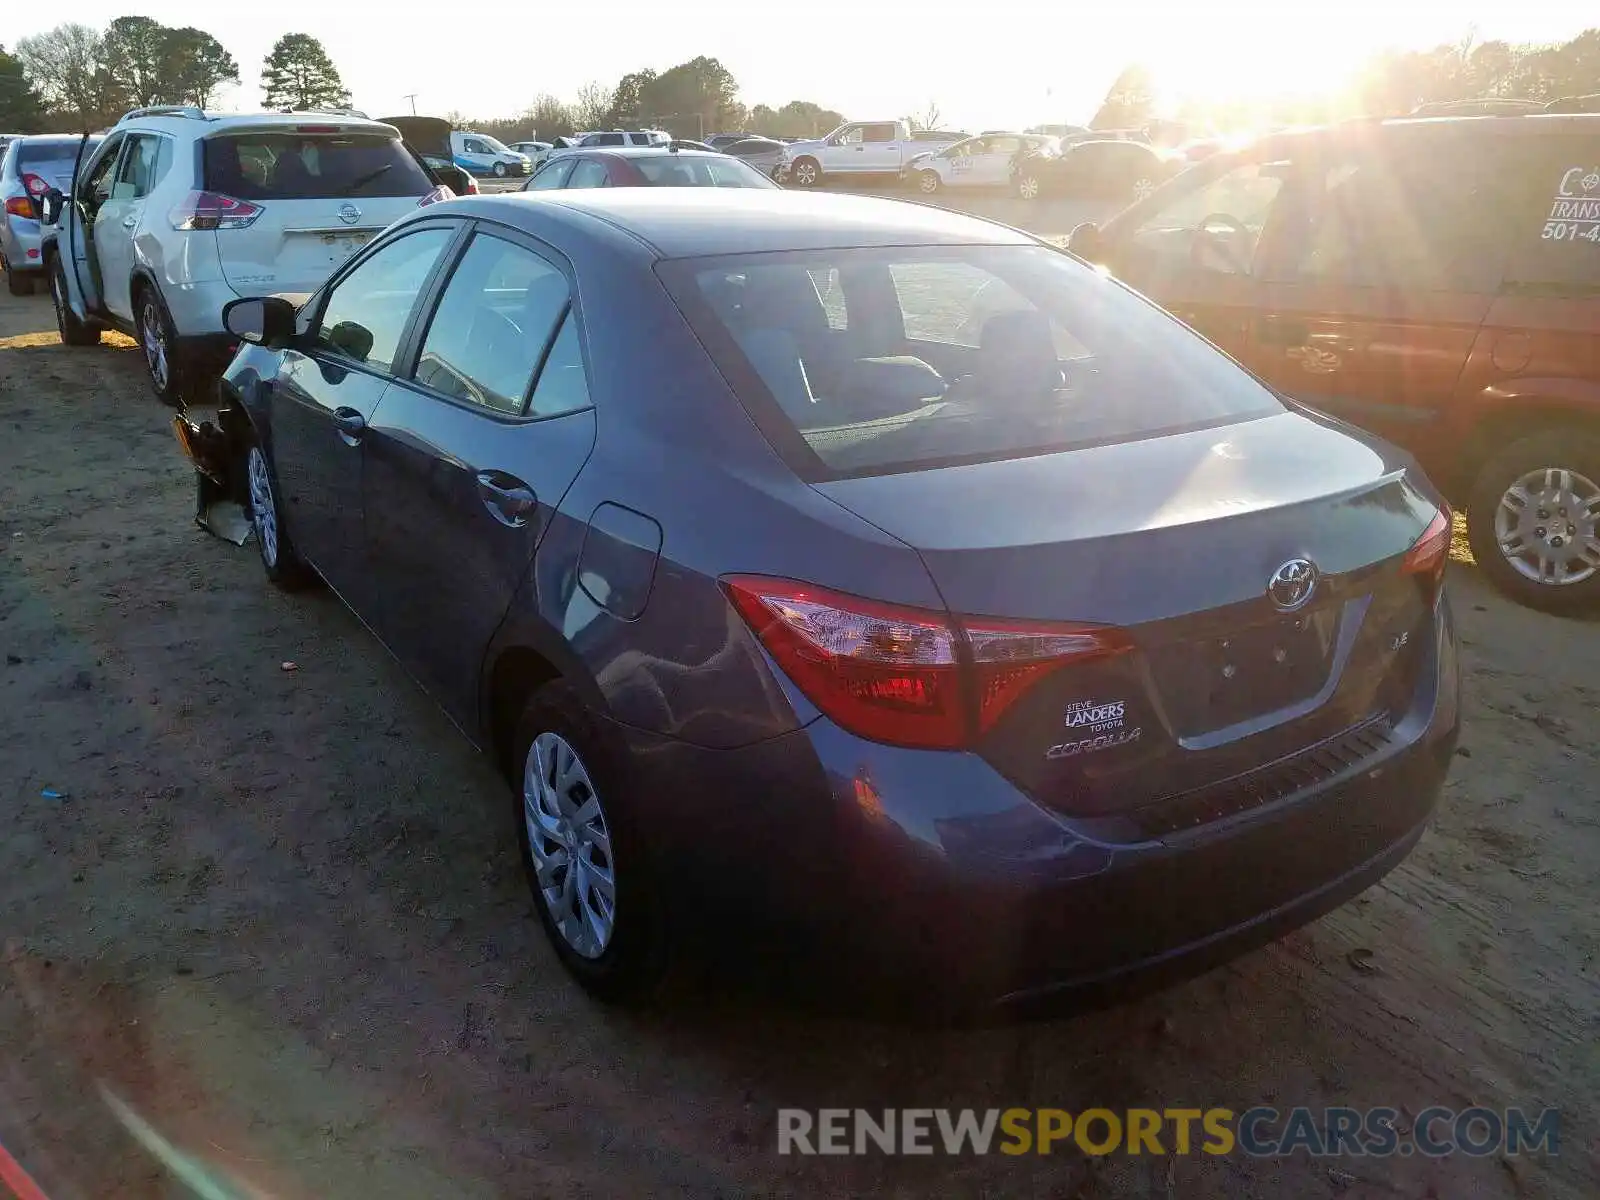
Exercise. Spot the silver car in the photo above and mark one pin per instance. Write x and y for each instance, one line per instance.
(764, 154)
(31, 166)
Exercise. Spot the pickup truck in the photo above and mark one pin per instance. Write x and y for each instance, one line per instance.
(859, 149)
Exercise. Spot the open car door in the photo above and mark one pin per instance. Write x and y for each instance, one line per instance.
(429, 139)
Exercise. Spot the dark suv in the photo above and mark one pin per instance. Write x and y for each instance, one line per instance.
(1436, 281)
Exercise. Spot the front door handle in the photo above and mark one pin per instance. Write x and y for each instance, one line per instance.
(1271, 331)
(129, 221)
(350, 424)
(507, 498)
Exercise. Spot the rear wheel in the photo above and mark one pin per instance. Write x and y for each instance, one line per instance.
(16, 283)
(581, 849)
(73, 331)
(159, 343)
(1142, 187)
(1533, 520)
(1029, 186)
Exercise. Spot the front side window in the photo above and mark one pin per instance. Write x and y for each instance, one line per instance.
(552, 175)
(141, 167)
(97, 185)
(879, 133)
(951, 354)
(1216, 226)
(852, 136)
(367, 310)
(493, 325)
(591, 172)
(309, 165)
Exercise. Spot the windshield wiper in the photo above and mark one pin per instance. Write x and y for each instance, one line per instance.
(361, 181)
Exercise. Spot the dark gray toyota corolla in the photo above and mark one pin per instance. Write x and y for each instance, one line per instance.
(862, 579)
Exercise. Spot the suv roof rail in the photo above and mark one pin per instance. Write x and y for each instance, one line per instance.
(331, 112)
(166, 110)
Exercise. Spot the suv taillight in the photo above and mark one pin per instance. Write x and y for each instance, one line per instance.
(213, 210)
(908, 676)
(434, 197)
(1428, 554)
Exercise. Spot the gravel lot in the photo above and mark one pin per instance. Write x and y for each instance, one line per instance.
(278, 914)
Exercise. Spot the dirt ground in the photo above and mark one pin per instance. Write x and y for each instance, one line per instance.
(274, 919)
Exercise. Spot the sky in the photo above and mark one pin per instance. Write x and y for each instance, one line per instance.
(985, 65)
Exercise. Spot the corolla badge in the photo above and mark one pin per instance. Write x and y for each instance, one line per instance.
(349, 213)
(1292, 584)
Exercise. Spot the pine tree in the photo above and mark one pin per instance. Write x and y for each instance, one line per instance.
(299, 75)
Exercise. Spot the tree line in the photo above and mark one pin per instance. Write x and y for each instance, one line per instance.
(77, 77)
(1392, 83)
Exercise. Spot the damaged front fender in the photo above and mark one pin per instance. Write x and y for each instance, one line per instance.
(216, 443)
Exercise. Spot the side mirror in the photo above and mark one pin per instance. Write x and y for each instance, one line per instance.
(260, 320)
(1087, 242)
(50, 206)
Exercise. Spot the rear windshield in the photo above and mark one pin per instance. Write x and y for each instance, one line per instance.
(673, 170)
(865, 361)
(288, 165)
(53, 156)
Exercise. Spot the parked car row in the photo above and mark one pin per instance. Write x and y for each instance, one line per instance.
(762, 540)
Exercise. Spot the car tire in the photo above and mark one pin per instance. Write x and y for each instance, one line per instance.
(806, 172)
(73, 331)
(1141, 188)
(158, 343)
(1029, 186)
(499, 170)
(928, 182)
(566, 762)
(1520, 495)
(285, 569)
(17, 283)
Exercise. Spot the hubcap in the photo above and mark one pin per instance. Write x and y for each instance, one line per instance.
(1030, 188)
(571, 845)
(930, 182)
(153, 336)
(263, 515)
(1548, 526)
(1142, 188)
(806, 174)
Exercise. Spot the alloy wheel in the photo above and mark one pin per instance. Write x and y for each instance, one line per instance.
(1548, 526)
(153, 337)
(1028, 189)
(1143, 187)
(570, 842)
(263, 511)
(805, 175)
(929, 183)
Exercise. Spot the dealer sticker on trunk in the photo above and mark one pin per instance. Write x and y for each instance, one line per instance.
(1104, 723)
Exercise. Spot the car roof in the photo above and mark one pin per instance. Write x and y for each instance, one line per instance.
(696, 222)
(651, 152)
(209, 123)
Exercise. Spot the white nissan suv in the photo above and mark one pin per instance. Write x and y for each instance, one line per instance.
(179, 211)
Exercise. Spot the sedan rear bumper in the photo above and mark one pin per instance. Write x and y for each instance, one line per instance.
(928, 871)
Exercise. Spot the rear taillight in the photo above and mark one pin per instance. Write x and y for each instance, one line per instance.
(19, 206)
(1429, 553)
(472, 186)
(907, 676)
(36, 185)
(439, 193)
(212, 210)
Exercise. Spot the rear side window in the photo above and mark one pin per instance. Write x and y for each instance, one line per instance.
(1555, 217)
(950, 354)
(590, 172)
(604, 139)
(493, 326)
(297, 165)
(552, 175)
(143, 163)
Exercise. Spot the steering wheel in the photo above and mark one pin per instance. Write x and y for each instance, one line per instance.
(1224, 241)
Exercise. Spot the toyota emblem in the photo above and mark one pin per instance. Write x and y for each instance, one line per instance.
(1292, 584)
(349, 213)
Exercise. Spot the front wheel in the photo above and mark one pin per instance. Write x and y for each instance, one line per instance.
(499, 170)
(806, 173)
(284, 568)
(1533, 520)
(583, 851)
(928, 182)
(1028, 186)
(1142, 188)
(73, 331)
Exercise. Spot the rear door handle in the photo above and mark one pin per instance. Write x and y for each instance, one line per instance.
(1271, 331)
(350, 424)
(507, 498)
